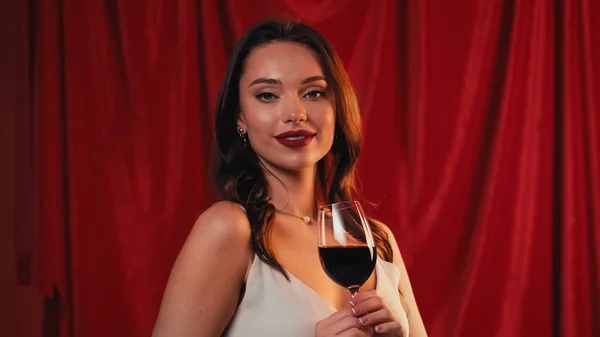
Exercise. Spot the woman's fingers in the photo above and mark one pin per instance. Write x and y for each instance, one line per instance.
(371, 311)
(362, 296)
(355, 332)
(394, 327)
(344, 324)
(367, 305)
(380, 316)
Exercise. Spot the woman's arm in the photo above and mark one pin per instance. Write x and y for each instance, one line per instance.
(204, 286)
(416, 326)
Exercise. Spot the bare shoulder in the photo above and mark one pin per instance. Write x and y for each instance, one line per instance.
(397, 258)
(222, 229)
(222, 220)
(205, 282)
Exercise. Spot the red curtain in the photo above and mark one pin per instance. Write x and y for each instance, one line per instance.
(481, 147)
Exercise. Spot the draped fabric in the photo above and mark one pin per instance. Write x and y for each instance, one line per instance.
(481, 150)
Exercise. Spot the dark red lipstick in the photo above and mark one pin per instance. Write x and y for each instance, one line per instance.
(295, 139)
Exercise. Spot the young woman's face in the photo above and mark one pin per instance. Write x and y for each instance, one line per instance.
(285, 106)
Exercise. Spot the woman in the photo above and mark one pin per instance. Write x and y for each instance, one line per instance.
(288, 132)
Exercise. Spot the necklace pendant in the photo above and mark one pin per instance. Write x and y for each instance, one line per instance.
(306, 219)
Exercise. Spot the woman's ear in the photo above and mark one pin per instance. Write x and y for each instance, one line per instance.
(241, 124)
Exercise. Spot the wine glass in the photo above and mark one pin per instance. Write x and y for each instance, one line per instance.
(346, 246)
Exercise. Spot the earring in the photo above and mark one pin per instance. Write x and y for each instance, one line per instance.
(243, 136)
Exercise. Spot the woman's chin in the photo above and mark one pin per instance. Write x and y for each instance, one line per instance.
(300, 163)
(295, 165)
(298, 166)
(292, 163)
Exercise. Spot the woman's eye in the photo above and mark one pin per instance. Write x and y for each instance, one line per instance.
(266, 96)
(314, 94)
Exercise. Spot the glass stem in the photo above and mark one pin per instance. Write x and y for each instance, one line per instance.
(353, 290)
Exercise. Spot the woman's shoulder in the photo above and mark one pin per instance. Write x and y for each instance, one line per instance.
(223, 220)
(225, 207)
(397, 256)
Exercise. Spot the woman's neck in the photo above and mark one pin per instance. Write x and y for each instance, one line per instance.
(293, 192)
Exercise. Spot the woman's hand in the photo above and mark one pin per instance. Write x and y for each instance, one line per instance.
(342, 323)
(372, 311)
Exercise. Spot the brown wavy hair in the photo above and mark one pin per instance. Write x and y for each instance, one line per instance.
(240, 177)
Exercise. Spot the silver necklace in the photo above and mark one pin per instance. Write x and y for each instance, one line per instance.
(305, 218)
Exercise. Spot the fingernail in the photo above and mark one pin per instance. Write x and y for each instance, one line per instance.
(378, 328)
(351, 303)
(355, 310)
(362, 321)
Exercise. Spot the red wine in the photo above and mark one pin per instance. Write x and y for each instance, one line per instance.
(348, 266)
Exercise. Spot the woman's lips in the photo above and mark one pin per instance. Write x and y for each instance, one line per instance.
(295, 139)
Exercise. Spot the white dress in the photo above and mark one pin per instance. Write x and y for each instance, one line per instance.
(273, 306)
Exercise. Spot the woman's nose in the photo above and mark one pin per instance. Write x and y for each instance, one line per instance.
(295, 112)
